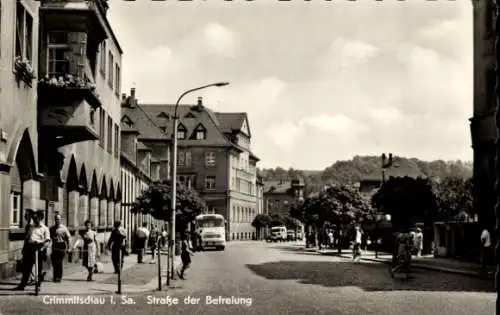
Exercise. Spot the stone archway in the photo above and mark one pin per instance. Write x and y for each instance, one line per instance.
(24, 191)
(71, 194)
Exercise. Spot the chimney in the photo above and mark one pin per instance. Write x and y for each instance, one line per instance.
(132, 101)
(200, 101)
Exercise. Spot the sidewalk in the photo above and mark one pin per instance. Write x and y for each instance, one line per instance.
(428, 262)
(135, 278)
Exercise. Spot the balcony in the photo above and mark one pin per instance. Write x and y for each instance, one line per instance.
(67, 110)
(244, 174)
(75, 15)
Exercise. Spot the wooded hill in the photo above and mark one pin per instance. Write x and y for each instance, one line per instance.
(368, 167)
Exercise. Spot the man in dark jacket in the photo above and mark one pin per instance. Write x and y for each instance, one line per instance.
(116, 244)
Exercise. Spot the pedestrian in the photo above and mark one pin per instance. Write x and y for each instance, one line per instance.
(403, 256)
(153, 242)
(59, 236)
(185, 257)
(331, 240)
(142, 236)
(38, 239)
(356, 249)
(486, 252)
(116, 244)
(89, 249)
(194, 240)
(200, 240)
(419, 241)
(164, 237)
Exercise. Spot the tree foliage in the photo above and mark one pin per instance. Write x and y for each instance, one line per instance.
(360, 167)
(157, 201)
(407, 200)
(339, 204)
(454, 198)
(261, 220)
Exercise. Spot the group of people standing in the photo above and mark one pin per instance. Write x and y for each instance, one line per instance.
(39, 239)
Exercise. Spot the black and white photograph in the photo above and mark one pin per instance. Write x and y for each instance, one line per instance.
(257, 157)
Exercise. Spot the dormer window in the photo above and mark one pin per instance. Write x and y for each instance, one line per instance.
(127, 121)
(163, 115)
(181, 132)
(190, 115)
(200, 133)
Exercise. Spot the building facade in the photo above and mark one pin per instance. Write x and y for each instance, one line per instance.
(59, 149)
(483, 124)
(280, 195)
(215, 159)
(79, 108)
(145, 155)
(19, 173)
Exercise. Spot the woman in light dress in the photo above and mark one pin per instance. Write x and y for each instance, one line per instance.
(89, 248)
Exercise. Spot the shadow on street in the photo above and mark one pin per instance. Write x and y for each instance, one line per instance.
(367, 276)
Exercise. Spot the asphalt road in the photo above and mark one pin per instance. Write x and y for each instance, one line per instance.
(278, 279)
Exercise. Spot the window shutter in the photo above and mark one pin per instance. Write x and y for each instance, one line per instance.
(16, 183)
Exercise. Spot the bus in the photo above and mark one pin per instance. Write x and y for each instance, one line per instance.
(212, 228)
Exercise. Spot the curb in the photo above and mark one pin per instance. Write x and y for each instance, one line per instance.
(432, 268)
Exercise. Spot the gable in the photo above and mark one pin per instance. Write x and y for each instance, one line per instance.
(244, 128)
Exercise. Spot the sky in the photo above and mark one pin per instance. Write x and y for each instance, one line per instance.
(321, 81)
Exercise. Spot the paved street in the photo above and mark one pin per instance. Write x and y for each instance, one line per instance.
(279, 279)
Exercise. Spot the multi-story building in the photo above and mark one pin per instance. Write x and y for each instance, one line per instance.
(79, 113)
(19, 173)
(483, 123)
(215, 158)
(145, 152)
(280, 195)
(60, 119)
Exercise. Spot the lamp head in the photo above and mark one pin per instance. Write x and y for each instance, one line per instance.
(219, 84)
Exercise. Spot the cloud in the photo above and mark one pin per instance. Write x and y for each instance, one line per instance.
(315, 93)
(221, 40)
(351, 52)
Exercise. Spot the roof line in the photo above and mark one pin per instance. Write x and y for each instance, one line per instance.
(150, 119)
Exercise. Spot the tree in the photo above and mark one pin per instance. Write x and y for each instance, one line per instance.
(261, 221)
(407, 200)
(156, 201)
(454, 197)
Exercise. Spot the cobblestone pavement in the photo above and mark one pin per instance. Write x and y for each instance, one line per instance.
(278, 279)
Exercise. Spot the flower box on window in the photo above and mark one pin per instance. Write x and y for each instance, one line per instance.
(71, 84)
(24, 70)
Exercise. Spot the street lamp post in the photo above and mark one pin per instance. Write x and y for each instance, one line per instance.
(174, 171)
(386, 163)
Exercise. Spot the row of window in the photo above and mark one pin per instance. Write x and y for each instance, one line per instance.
(200, 133)
(190, 181)
(243, 214)
(109, 132)
(184, 158)
(114, 72)
(243, 236)
(59, 50)
(243, 185)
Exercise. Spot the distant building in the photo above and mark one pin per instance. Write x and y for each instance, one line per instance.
(483, 123)
(280, 195)
(215, 159)
(370, 184)
(145, 155)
